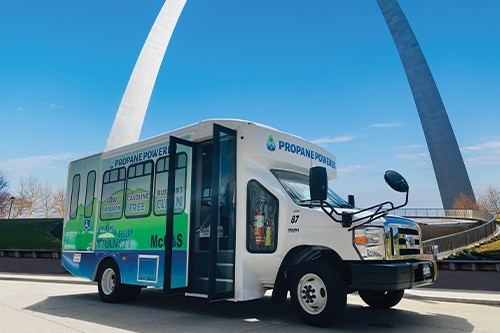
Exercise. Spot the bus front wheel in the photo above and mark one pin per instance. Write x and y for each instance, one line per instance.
(318, 293)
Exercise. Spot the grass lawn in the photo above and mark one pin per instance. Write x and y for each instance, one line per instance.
(31, 234)
(489, 250)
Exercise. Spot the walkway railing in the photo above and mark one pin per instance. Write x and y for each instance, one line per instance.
(445, 245)
(479, 215)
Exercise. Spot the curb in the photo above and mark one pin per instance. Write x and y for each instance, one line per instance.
(455, 296)
(44, 278)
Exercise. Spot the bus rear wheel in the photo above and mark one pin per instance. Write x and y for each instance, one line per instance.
(381, 299)
(109, 284)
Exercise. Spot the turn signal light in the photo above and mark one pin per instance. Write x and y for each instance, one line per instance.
(361, 240)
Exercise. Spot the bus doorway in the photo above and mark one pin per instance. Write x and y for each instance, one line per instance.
(212, 262)
(212, 210)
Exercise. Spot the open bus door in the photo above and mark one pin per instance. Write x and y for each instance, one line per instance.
(179, 207)
(222, 228)
(209, 212)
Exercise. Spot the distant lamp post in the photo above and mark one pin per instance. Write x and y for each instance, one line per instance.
(11, 202)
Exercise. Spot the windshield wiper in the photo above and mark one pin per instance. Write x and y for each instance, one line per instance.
(310, 202)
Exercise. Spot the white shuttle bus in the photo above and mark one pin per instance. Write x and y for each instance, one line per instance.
(228, 209)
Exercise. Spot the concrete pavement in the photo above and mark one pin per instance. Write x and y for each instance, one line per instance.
(452, 286)
(446, 295)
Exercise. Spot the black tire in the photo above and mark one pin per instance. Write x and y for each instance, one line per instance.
(111, 290)
(131, 292)
(380, 299)
(319, 294)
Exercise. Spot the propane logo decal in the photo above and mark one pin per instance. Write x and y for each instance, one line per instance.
(271, 144)
(299, 150)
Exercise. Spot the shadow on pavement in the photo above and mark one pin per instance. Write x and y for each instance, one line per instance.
(153, 312)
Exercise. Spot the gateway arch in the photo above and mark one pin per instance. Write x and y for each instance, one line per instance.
(132, 110)
(447, 161)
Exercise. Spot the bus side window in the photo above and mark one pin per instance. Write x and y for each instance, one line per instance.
(181, 181)
(75, 193)
(262, 219)
(161, 186)
(89, 195)
(139, 187)
(113, 186)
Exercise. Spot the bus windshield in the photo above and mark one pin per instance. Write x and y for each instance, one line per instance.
(297, 187)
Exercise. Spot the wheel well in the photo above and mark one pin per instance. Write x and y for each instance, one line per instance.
(100, 263)
(299, 255)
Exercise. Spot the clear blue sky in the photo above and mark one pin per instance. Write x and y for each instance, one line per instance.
(325, 70)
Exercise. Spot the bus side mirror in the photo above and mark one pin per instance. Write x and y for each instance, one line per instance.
(396, 181)
(318, 183)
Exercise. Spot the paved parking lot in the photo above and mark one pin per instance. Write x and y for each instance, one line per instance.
(39, 296)
(28, 306)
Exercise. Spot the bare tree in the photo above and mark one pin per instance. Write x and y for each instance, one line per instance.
(19, 207)
(34, 200)
(58, 202)
(464, 202)
(490, 200)
(30, 196)
(4, 184)
(5, 197)
(45, 202)
(4, 204)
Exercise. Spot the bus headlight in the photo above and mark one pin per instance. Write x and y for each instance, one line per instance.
(370, 242)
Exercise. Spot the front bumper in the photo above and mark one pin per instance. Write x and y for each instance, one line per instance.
(390, 275)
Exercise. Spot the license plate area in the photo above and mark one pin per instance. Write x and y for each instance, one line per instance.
(426, 272)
